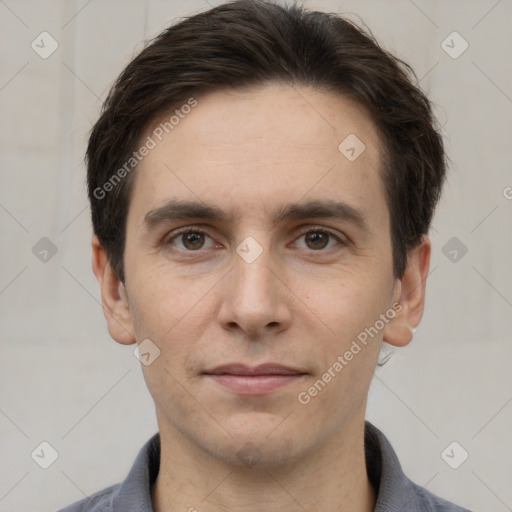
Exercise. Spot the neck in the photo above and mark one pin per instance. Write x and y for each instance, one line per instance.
(332, 478)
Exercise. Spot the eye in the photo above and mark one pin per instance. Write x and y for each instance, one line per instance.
(194, 239)
(318, 239)
(190, 240)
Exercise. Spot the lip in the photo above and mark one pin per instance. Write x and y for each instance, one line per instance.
(254, 380)
(262, 369)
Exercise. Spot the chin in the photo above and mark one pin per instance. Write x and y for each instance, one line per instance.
(261, 443)
(258, 454)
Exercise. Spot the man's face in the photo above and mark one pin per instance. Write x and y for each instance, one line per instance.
(256, 288)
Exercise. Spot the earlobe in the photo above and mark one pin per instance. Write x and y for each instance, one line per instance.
(113, 296)
(411, 296)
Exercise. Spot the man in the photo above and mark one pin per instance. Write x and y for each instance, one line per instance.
(262, 180)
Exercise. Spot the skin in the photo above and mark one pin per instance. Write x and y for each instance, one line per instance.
(299, 303)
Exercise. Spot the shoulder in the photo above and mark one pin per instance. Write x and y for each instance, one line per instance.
(395, 490)
(101, 500)
(425, 501)
(134, 493)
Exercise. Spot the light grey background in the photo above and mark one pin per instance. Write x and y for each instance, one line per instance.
(64, 381)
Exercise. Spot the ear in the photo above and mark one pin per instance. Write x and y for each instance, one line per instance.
(113, 296)
(410, 293)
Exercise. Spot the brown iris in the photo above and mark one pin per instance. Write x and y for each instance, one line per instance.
(193, 240)
(317, 238)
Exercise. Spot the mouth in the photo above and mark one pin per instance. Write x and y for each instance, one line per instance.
(254, 380)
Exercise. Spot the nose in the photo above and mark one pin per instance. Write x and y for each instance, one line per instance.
(254, 299)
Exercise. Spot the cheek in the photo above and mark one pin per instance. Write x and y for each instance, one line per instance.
(161, 301)
(347, 349)
(175, 313)
(346, 301)
(170, 313)
(346, 308)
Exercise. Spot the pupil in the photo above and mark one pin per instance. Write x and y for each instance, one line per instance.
(318, 239)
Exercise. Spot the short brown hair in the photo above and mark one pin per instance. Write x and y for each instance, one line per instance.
(251, 42)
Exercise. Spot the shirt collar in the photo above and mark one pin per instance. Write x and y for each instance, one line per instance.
(393, 489)
(134, 494)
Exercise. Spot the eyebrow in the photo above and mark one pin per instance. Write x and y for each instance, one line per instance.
(176, 209)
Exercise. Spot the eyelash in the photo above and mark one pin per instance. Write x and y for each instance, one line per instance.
(313, 229)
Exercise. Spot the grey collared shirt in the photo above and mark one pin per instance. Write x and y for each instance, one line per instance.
(395, 492)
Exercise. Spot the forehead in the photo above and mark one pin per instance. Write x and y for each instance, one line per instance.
(262, 146)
